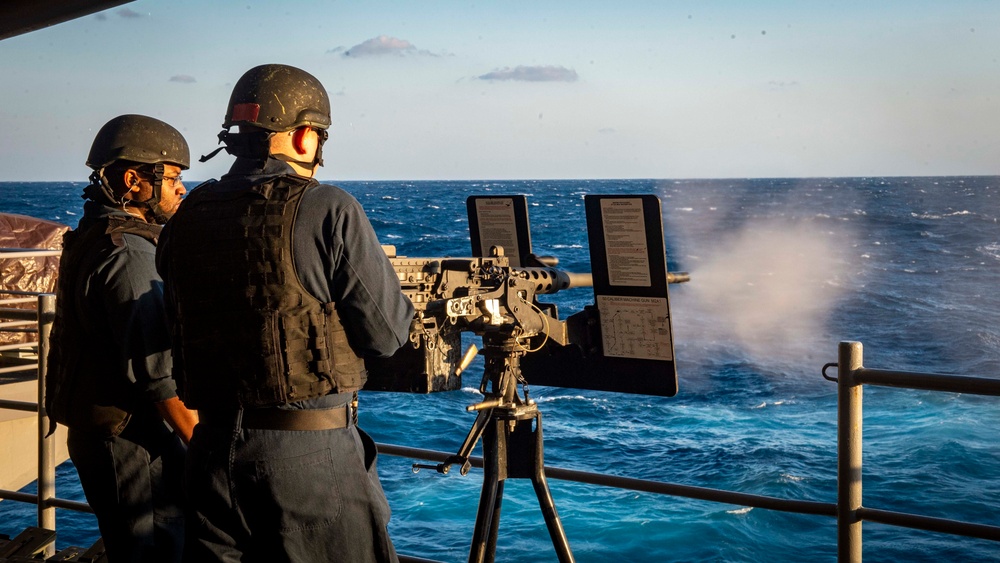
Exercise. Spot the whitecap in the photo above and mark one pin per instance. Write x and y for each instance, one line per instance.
(568, 398)
(744, 510)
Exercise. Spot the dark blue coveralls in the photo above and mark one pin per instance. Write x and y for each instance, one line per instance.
(286, 495)
(133, 481)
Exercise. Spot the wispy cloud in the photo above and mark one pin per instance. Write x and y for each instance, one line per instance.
(549, 73)
(381, 46)
(782, 84)
(183, 79)
(129, 13)
(126, 13)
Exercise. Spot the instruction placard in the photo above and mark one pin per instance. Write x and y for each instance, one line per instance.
(625, 242)
(499, 221)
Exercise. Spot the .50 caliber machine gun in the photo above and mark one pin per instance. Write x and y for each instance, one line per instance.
(477, 294)
(621, 343)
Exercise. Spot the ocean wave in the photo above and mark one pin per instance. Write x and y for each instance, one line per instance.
(556, 398)
(765, 404)
(992, 250)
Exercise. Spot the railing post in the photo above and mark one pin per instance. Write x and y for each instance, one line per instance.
(46, 446)
(849, 394)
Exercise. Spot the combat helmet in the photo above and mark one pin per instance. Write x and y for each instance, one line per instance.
(136, 139)
(268, 99)
(278, 98)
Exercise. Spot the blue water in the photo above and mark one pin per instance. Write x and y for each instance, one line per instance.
(781, 271)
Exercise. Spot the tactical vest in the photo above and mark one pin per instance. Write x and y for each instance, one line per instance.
(79, 393)
(247, 333)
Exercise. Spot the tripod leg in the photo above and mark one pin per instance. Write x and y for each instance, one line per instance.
(552, 521)
(484, 537)
(491, 543)
(545, 502)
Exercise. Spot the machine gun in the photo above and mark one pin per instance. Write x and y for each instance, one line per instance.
(621, 343)
(476, 294)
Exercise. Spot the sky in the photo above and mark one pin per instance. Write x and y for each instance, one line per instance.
(443, 89)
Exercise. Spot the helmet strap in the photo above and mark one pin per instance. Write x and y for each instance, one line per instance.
(252, 144)
(317, 159)
(100, 190)
(152, 203)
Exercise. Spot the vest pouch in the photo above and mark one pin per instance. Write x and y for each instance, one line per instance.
(348, 368)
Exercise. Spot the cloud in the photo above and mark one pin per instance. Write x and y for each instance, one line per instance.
(183, 78)
(128, 13)
(782, 84)
(606, 130)
(380, 46)
(533, 74)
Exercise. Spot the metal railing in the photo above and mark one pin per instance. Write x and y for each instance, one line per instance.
(41, 318)
(848, 510)
(851, 376)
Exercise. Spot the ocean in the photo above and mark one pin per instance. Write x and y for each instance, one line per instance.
(781, 271)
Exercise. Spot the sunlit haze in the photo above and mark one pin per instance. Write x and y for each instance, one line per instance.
(523, 89)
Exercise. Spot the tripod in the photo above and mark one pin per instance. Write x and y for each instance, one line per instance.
(511, 430)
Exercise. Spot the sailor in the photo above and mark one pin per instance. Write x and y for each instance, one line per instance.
(278, 288)
(109, 367)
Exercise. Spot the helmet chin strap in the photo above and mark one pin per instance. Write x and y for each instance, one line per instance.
(256, 145)
(317, 159)
(151, 205)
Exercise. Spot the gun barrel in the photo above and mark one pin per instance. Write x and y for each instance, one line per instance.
(580, 279)
(678, 277)
(551, 280)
